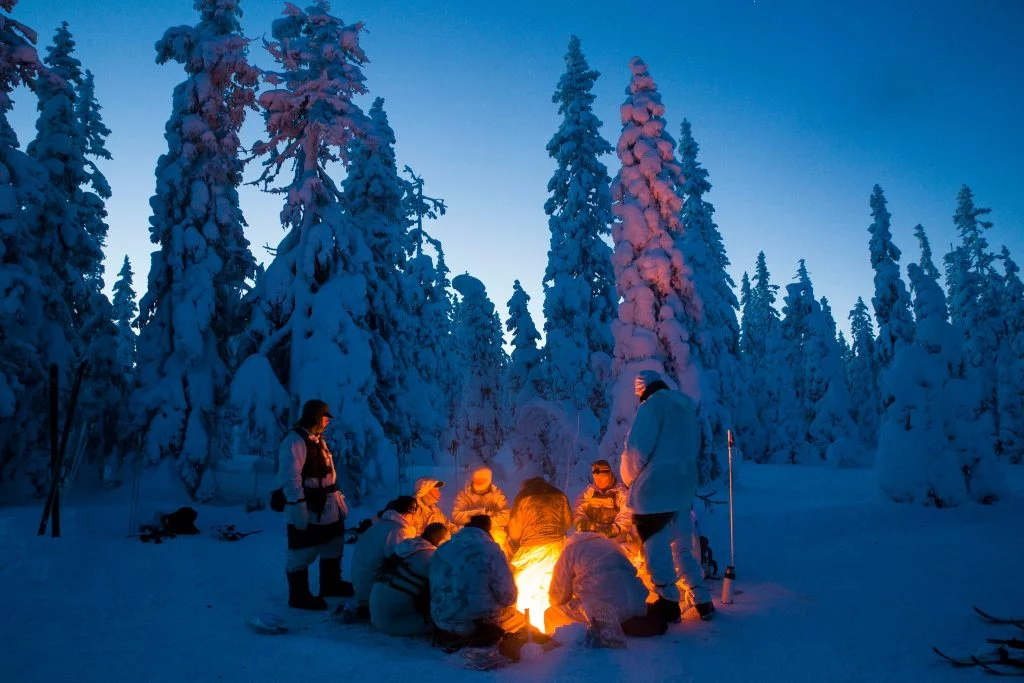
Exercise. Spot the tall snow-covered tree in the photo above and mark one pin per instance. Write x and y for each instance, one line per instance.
(927, 262)
(541, 437)
(307, 336)
(935, 444)
(105, 389)
(831, 430)
(433, 377)
(372, 197)
(125, 311)
(891, 300)
(975, 300)
(659, 298)
(479, 429)
(1010, 377)
(760, 320)
(717, 338)
(24, 327)
(579, 294)
(863, 374)
(523, 369)
(189, 316)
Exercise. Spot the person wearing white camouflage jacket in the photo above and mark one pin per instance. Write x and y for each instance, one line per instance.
(659, 465)
(315, 509)
(481, 496)
(376, 543)
(428, 497)
(400, 598)
(471, 583)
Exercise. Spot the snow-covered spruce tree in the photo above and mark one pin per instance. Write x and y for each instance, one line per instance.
(70, 232)
(105, 389)
(934, 445)
(433, 378)
(863, 376)
(124, 312)
(659, 298)
(832, 431)
(760, 320)
(717, 338)
(189, 316)
(891, 300)
(926, 261)
(975, 294)
(479, 429)
(25, 329)
(540, 437)
(372, 198)
(522, 374)
(1010, 364)
(308, 335)
(579, 283)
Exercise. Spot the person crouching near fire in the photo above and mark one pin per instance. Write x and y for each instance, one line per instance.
(428, 497)
(472, 593)
(481, 496)
(540, 519)
(315, 509)
(376, 543)
(602, 505)
(400, 598)
(659, 465)
(595, 583)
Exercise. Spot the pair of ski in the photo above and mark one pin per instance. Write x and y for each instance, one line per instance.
(999, 662)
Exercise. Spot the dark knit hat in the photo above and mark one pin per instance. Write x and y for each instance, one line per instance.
(313, 410)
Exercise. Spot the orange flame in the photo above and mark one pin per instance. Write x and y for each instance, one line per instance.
(534, 567)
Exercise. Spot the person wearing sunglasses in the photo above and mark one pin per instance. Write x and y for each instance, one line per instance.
(601, 507)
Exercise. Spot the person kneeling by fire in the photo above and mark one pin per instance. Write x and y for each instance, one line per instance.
(473, 595)
(595, 583)
(400, 597)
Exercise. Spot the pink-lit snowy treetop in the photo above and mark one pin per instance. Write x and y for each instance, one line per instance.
(654, 282)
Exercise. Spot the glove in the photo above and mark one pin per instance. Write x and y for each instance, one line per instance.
(297, 514)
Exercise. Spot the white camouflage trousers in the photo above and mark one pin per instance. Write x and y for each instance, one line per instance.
(300, 559)
(670, 558)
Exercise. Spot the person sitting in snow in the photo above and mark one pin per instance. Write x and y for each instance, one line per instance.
(602, 505)
(472, 593)
(482, 497)
(592, 580)
(540, 516)
(659, 465)
(400, 598)
(428, 495)
(376, 543)
(315, 509)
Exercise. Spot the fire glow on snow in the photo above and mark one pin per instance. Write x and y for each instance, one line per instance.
(533, 570)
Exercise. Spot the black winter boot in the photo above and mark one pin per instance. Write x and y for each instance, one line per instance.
(331, 585)
(666, 610)
(299, 596)
(706, 610)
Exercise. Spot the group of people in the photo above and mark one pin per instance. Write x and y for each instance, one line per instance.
(415, 571)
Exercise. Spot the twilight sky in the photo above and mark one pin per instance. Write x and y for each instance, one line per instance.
(799, 108)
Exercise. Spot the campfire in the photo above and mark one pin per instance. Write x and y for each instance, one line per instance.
(533, 568)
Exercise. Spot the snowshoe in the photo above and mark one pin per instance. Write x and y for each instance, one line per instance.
(483, 658)
(605, 629)
(267, 623)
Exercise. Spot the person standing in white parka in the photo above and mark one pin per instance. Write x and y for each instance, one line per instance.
(315, 509)
(659, 465)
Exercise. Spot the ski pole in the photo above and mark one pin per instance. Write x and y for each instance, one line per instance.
(730, 571)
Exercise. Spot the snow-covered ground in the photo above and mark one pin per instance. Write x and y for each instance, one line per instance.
(836, 584)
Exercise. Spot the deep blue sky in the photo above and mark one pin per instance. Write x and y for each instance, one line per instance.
(799, 108)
